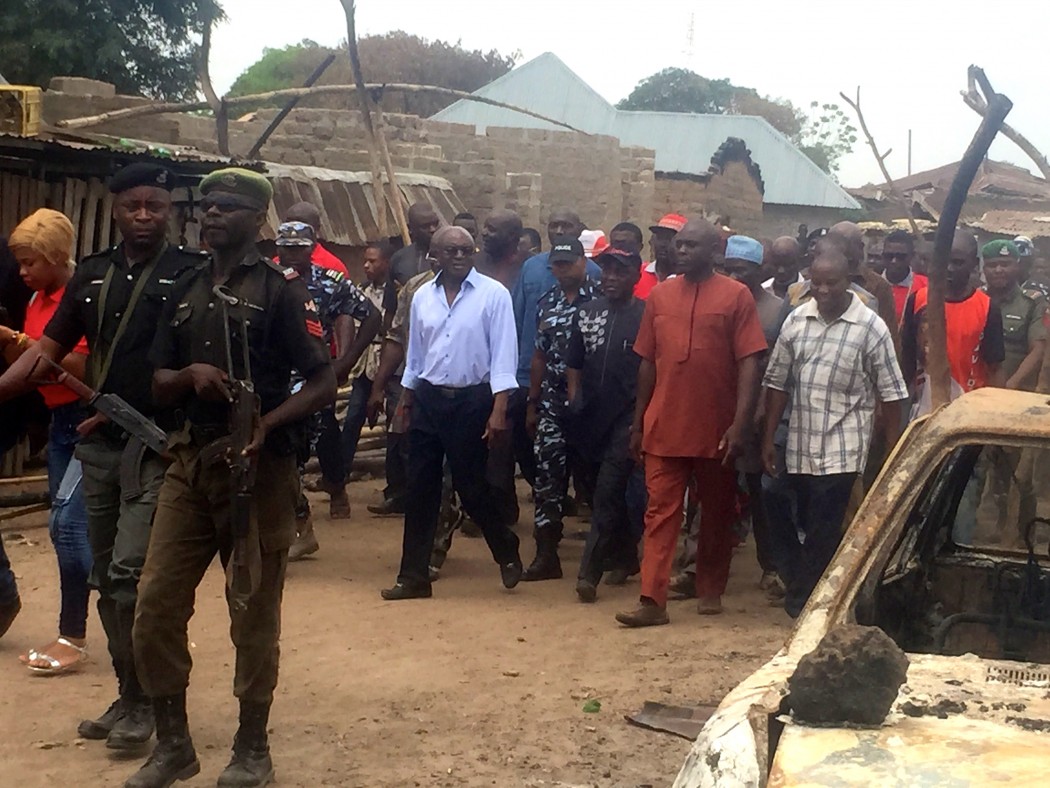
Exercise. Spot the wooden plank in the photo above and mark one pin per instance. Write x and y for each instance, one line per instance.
(105, 232)
(89, 240)
(8, 206)
(77, 216)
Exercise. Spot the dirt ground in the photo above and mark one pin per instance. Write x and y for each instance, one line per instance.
(477, 686)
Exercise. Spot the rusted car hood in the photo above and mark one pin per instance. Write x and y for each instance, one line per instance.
(958, 721)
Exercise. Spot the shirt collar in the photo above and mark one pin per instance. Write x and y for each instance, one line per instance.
(907, 281)
(473, 277)
(650, 268)
(853, 314)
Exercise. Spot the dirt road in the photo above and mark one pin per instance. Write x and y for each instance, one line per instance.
(477, 686)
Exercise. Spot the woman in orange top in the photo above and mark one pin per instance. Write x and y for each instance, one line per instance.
(43, 246)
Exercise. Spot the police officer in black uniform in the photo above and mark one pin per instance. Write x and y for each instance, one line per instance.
(116, 299)
(191, 355)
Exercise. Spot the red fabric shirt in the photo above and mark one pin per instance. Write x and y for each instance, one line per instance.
(901, 292)
(696, 334)
(325, 259)
(41, 307)
(646, 282)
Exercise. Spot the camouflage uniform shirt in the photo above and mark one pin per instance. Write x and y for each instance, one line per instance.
(335, 295)
(553, 329)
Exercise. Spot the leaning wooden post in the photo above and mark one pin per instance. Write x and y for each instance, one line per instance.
(218, 106)
(365, 102)
(937, 371)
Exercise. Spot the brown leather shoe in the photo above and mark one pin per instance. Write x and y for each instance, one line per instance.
(645, 615)
(709, 605)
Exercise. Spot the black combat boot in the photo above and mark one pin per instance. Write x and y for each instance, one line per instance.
(250, 766)
(546, 565)
(174, 757)
(134, 726)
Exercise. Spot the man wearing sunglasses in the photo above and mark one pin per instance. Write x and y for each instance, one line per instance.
(898, 255)
(115, 299)
(241, 317)
(459, 372)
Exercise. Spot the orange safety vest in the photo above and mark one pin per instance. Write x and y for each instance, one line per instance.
(964, 324)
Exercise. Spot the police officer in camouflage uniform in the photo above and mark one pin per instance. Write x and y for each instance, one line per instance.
(339, 303)
(191, 355)
(1024, 338)
(116, 299)
(548, 399)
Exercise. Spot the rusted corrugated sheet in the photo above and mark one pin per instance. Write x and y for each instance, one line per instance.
(347, 202)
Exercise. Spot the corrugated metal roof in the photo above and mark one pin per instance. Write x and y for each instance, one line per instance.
(347, 202)
(1034, 224)
(683, 142)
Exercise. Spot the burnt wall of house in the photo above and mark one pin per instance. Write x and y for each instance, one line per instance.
(730, 194)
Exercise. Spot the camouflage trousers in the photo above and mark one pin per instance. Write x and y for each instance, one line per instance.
(552, 471)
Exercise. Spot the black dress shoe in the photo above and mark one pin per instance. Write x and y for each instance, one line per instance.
(511, 574)
(8, 614)
(406, 591)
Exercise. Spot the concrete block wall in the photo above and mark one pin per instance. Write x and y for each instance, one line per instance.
(533, 171)
(731, 194)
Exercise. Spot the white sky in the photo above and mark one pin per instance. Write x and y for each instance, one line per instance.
(908, 56)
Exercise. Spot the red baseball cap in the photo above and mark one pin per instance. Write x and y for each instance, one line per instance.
(670, 221)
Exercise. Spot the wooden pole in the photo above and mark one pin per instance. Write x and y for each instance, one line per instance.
(218, 106)
(881, 159)
(937, 371)
(370, 106)
(287, 93)
(365, 103)
(287, 108)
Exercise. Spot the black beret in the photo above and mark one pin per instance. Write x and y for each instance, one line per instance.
(142, 174)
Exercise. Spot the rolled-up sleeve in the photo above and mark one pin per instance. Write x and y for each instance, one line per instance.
(503, 339)
(778, 371)
(889, 380)
(415, 353)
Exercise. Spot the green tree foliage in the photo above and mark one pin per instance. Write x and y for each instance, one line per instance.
(141, 46)
(392, 57)
(824, 133)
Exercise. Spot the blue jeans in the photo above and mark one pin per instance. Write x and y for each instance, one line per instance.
(68, 521)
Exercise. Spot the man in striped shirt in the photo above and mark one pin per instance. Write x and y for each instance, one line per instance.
(833, 358)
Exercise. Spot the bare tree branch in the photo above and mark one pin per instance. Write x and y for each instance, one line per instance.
(976, 102)
(881, 159)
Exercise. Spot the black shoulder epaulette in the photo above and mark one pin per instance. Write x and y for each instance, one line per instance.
(1033, 294)
(104, 253)
(287, 272)
(193, 252)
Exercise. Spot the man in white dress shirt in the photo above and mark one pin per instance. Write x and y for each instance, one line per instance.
(459, 372)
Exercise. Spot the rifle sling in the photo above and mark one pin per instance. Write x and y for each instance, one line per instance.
(100, 365)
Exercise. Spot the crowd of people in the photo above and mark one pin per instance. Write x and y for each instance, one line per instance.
(717, 385)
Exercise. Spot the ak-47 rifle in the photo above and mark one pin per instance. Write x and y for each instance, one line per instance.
(109, 406)
(244, 570)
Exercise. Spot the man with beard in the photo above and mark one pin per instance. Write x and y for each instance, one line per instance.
(499, 256)
(423, 222)
(115, 299)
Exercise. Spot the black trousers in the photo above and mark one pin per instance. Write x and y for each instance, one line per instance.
(449, 423)
(522, 443)
(612, 542)
(329, 449)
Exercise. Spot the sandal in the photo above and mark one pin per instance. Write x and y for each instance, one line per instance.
(55, 666)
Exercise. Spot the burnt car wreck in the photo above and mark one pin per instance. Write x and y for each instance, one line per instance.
(947, 557)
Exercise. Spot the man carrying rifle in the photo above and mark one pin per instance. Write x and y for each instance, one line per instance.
(224, 354)
(115, 300)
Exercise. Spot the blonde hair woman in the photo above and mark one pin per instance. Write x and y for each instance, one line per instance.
(43, 245)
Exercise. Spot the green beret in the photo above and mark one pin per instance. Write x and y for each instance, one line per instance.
(236, 180)
(1000, 249)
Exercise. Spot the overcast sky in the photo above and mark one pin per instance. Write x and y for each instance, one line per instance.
(909, 57)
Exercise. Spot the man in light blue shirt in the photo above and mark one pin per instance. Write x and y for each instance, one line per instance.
(534, 281)
(459, 374)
